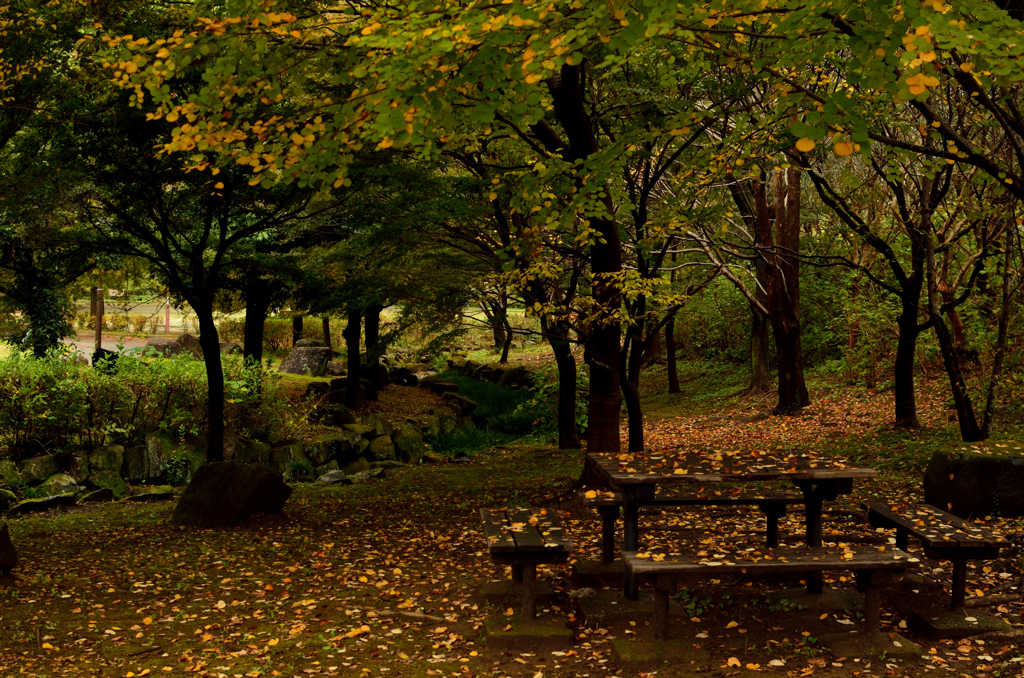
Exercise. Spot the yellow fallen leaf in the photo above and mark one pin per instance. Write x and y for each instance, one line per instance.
(147, 620)
(733, 661)
(220, 605)
(273, 641)
(732, 625)
(590, 494)
(509, 612)
(47, 646)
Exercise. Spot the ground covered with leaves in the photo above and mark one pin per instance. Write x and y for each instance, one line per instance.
(383, 578)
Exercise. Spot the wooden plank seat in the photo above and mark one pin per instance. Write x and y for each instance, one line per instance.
(772, 503)
(525, 538)
(943, 535)
(873, 566)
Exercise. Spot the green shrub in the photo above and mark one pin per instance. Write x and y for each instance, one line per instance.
(495, 404)
(178, 468)
(465, 440)
(61, 404)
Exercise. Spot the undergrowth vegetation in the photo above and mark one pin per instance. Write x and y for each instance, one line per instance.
(54, 404)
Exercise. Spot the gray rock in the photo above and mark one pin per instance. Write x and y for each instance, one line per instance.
(430, 426)
(159, 448)
(372, 474)
(37, 469)
(103, 494)
(336, 368)
(334, 478)
(8, 472)
(78, 466)
(381, 426)
(381, 449)
(8, 554)
(59, 483)
(361, 446)
(362, 430)
(358, 465)
(222, 493)
(975, 485)
(250, 452)
(311, 360)
(318, 451)
(136, 466)
(159, 493)
(464, 406)
(307, 343)
(42, 504)
(338, 415)
(190, 344)
(107, 458)
(165, 345)
(408, 442)
(387, 464)
(110, 480)
(230, 348)
(294, 452)
(332, 465)
(440, 387)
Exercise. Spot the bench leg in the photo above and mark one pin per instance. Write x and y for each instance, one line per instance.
(517, 573)
(773, 512)
(664, 587)
(959, 583)
(609, 514)
(529, 590)
(902, 539)
(630, 541)
(813, 501)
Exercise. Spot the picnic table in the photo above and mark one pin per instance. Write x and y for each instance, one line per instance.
(638, 474)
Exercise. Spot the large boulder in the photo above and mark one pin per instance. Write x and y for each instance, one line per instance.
(7, 500)
(110, 480)
(136, 464)
(336, 368)
(975, 485)
(59, 483)
(336, 477)
(311, 360)
(37, 469)
(317, 389)
(190, 343)
(223, 493)
(42, 504)
(307, 343)
(77, 466)
(230, 348)
(164, 345)
(409, 446)
(381, 426)
(8, 472)
(340, 447)
(107, 458)
(8, 554)
(380, 449)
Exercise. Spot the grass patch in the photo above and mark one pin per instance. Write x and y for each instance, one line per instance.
(496, 405)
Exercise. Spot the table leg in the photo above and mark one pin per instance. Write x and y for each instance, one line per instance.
(529, 590)
(813, 501)
(633, 496)
(609, 516)
(959, 592)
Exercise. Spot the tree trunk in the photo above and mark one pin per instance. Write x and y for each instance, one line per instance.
(568, 433)
(760, 372)
(351, 334)
(373, 312)
(209, 340)
(257, 304)
(970, 431)
(99, 318)
(903, 368)
(602, 342)
(670, 348)
(92, 301)
(296, 328)
(506, 346)
(1001, 340)
(327, 334)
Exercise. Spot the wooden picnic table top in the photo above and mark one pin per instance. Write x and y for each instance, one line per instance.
(686, 466)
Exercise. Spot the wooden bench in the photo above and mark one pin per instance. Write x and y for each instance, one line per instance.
(525, 538)
(772, 504)
(943, 535)
(874, 568)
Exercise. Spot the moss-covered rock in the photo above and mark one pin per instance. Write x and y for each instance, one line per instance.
(380, 449)
(59, 483)
(7, 500)
(409, 447)
(111, 481)
(8, 472)
(37, 469)
(107, 458)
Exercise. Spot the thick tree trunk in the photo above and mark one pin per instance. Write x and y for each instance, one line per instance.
(296, 328)
(351, 333)
(92, 301)
(903, 368)
(209, 340)
(1001, 340)
(373, 312)
(634, 348)
(602, 342)
(257, 304)
(670, 348)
